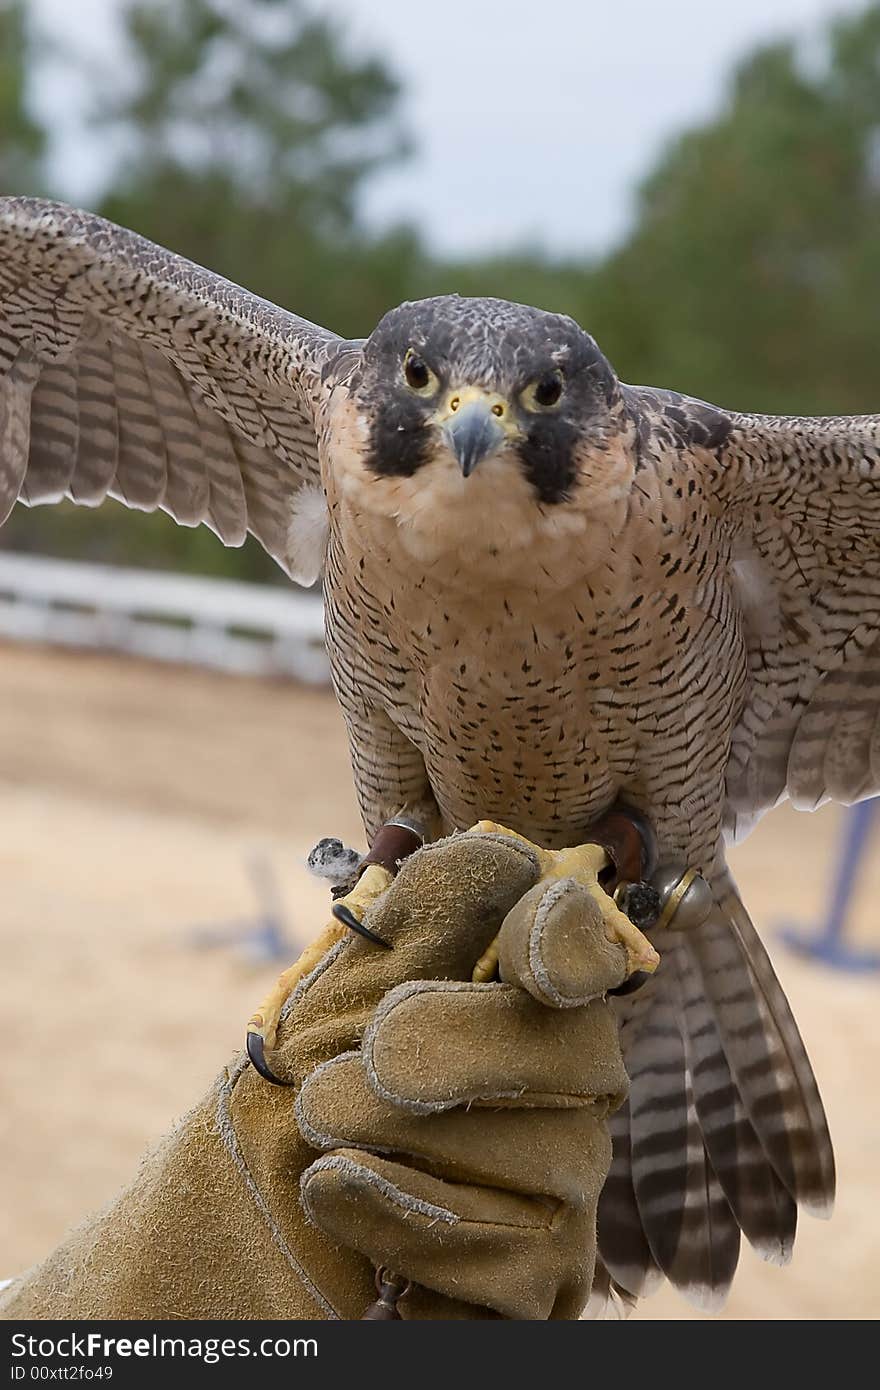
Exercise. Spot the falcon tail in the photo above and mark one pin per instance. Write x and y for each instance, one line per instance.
(608, 1301)
(724, 1131)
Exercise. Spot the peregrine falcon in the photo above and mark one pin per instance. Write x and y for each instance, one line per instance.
(544, 590)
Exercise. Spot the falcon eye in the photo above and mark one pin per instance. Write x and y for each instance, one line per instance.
(418, 374)
(544, 393)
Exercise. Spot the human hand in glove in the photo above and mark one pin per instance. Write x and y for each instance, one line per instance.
(449, 1131)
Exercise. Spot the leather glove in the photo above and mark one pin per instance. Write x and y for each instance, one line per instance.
(451, 1131)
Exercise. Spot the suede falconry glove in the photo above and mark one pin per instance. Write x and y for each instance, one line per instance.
(452, 1132)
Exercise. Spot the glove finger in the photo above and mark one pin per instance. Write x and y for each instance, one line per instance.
(433, 1044)
(497, 1249)
(449, 900)
(553, 944)
(552, 1155)
(439, 914)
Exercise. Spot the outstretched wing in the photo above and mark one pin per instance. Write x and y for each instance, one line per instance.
(129, 372)
(724, 1130)
(800, 501)
(804, 496)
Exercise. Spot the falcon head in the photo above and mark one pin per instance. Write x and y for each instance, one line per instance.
(470, 380)
(473, 411)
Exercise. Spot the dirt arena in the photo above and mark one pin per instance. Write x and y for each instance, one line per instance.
(131, 797)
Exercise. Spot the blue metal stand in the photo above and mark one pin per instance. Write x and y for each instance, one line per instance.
(262, 937)
(829, 944)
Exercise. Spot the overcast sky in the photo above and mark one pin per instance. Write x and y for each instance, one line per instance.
(532, 121)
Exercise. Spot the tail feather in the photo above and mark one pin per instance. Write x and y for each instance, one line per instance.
(764, 1049)
(659, 1127)
(687, 1221)
(724, 1129)
(622, 1241)
(761, 1205)
(624, 1247)
(708, 1245)
(608, 1302)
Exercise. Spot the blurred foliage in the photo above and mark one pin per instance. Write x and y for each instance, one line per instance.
(752, 275)
(247, 130)
(22, 141)
(240, 133)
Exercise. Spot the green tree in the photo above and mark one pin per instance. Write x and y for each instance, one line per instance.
(752, 274)
(22, 140)
(247, 130)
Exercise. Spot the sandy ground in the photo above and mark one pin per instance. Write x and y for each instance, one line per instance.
(131, 798)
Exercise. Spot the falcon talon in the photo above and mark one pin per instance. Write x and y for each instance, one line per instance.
(256, 1051)
(631, 984)
(344, 914)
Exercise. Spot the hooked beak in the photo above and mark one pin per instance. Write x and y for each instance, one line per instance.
(473, 426)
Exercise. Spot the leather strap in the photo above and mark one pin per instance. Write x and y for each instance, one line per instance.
(624, 834)
(392, 844)
(628, 840)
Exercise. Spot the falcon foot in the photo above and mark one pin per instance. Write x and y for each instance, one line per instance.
(625, 853)
(583, 863)
(348, 912)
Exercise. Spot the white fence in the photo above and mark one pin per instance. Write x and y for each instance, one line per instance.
(221, 623)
